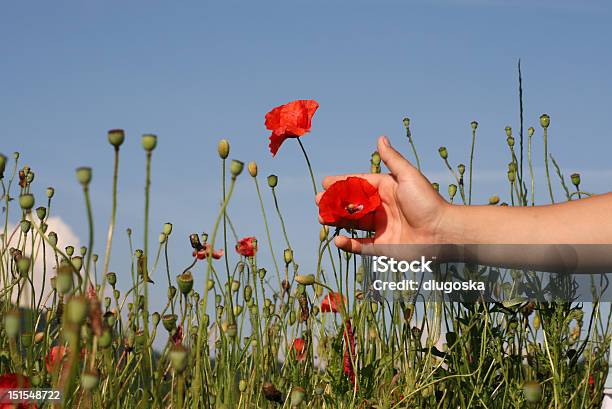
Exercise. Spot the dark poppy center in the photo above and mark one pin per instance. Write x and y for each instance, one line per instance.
(354, 208)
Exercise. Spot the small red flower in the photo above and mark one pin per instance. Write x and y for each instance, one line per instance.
(13, 381)
(177, 338)
(347, 201)
(206, 250)
(54, 357)
(247, 246)
(291, 120)
(299, 345)
(332, 302)
(591, 380)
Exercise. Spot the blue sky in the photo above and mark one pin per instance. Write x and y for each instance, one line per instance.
(194, 72)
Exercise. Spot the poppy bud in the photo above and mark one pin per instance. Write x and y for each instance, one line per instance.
(3, 160)
(89, 380)
(235, 285)
(105, 339)
(461, 168)
(210, 284)
(544, 121)
(436, 186)
(375, 158)
(252, 168)
(112, 279)
(530, 131)
(474, 125)
(262, 273)
(375, 169)
(41, 212)
(185, 282)
(84, 175)
(493, 200)
(77, 309)
(510, 141)
(452, 190)
(64, 281)
(237, 310)
(107, 302)
(50, 192)
(167, 229)
(308, 279)
(242, 385)
(443, 152)
(323, 233)
(223, 147)
(508, 131)
(26, 201)
(77, 262)
(298, 393)
(26, 339)
(25, 226)
(512, 166)
(532, 391)
(149, 142)
(169, 321)
(162, 238)
(83, 250)
(575, 179)
(128, 231)
(231, 330)
(12, 324)
(116, 137)
(236, 167)
(272, 181)
(288, 255)
(406, 122)
(23, 266)
(511, 176)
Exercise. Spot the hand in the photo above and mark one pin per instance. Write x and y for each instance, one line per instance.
(411, 213)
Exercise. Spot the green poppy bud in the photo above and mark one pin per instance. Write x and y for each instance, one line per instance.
(69, 250)
(26, 339)
(77, 309)
(436, 186)
(112, 278)
(575, 179)
(210, 284)
(262, 273)
(236, 167)
(511, 176)
(272, 181)
(64, 281)
(252, 168)
(116, 137)
(89, 380)
(41, 212)
(308, 279)
(544, 121)
(512, 166)
(167, 229)
(231, 330)
(84, 175)
(461, 169)
(23, 266)
(237, 310)
(12, 323)
(223, 147)
(493, 200)
(26, 201)
(530, 131)
(292, 317)
(474, 125)
(510, 141)
(139, 253)
(323, 233)
(169, 321)
(77, 262)
(242, 386)
(110, 318)
(452, 190)
(185, 282)
(178, 357)
(83, 251)
(50, 192)
(149, 142)
(376, 158)
(406, 122)
(288, 255)
(235, 285)
(162, 238)
(532, 391)
(508, 131)
(443, 152)
(25, 226)
(107, 302)
(3, 161)
(52, 236)
(248, 293)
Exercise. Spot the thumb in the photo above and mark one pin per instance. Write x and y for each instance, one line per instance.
(397, 164)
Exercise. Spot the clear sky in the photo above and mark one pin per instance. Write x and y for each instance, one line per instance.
(196, 71)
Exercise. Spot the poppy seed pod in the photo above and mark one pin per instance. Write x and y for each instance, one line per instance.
(69, 250)
(406, 122)
(443, 152)
(50, 192)
(116, 137)
(149, 142)
(532, 390)
(452, 190)
(223, 147)
(510, 141)
(26, 201)
(83, 250)
(461, 168)
(77, 262)
(493, 200)
(512, 166)
(530, 131)
(508, 131)
(375, 158)
(162, 238)
(23, 266)
(77, 309)
(235, 285)
(84, 175)
(262, 273)
(511, 176)
(169, 321)
(89, 380)
(252, 168)
(272, 181)
(167, 229)
(231, 330)
(3, 160)
(12, 324)
(112, 279)
(436, 186)
(25, 226)
(474, 125)
(544, 121)
(307, 279)
(185, 282)
(64, 281)
(575, 179)
(242, 386)
(26, 339)
(236, 167)
(178, 357)
(288, 255)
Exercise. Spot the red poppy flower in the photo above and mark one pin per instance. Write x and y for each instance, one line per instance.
(299, 345)
(206, 250)
(347, 201)
(332, 302)
(291, 120)
(177, 338)
(247, 246)
(13, 381)
(54, 357)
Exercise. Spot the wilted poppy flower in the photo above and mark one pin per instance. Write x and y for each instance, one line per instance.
(13, 381)
(206, 250)
(332, 302)
(299, 345)
(247, 246)
(291, 120)
(54, 357)
(347, 201)
(349, 352)
(177, 338)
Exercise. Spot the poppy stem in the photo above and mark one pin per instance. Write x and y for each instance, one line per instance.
(312, 178)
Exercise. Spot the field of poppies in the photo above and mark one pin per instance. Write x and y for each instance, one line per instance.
(273, 336)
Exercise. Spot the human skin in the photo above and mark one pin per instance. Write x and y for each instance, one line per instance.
(412, 212)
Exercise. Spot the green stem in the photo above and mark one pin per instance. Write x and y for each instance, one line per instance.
(111, 225)
(312, 178)
(471, 165)
(552, 199)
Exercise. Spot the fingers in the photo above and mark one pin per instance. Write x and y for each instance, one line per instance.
(357, 246)
(397, 164)
(373, 178)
